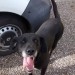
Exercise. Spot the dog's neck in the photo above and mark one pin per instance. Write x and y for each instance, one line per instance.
(43, 45)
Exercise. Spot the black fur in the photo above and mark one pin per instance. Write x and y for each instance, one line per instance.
(46, 37)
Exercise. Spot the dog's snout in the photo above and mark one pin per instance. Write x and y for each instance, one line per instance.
(30, 51)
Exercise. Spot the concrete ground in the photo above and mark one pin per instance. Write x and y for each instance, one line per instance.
(63, 57)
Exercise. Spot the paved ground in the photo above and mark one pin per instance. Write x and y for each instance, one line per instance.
(63, 57)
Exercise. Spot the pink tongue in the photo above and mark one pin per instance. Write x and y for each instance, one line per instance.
(28, 63)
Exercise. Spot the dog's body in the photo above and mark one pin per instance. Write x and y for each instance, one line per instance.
(41, 44)
(51, 31)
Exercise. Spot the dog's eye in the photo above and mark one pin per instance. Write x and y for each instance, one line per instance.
(24, 41)
(35, 40)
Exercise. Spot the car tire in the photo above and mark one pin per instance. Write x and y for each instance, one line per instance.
(11, 25)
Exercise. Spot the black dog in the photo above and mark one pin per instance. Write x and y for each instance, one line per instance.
(36, 48)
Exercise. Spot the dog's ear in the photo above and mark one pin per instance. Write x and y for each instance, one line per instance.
(14, 43)
(43, 45)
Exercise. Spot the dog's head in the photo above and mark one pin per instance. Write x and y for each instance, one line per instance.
(29, 44)
(28, 47)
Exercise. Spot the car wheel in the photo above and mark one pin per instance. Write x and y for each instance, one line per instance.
(11, 25)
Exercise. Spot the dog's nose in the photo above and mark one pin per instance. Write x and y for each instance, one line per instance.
(30, 52)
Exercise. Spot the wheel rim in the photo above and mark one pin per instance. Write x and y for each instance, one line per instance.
(7, 33)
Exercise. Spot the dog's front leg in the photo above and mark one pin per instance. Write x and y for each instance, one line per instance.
(43, 70)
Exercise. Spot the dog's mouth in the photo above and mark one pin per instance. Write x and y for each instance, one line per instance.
(28, 63)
